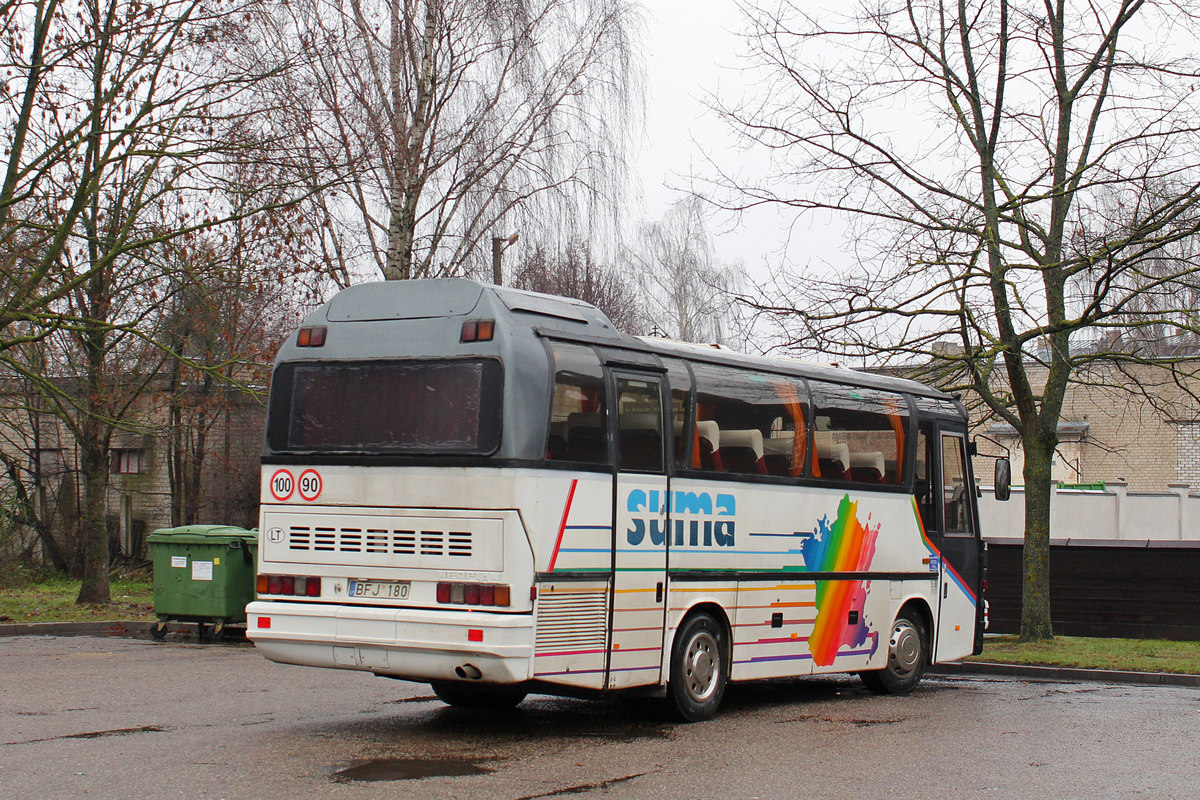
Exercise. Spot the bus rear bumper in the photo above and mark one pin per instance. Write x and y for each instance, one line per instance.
(413, 644)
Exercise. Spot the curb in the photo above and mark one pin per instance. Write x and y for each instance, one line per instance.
(1065, 674)
(124, 627)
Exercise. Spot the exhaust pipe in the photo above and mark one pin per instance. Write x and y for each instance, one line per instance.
(468, 672)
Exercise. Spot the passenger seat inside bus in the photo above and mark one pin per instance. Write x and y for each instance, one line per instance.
(585, 437)
(742, 451)
(708, 434)
(778, 451)
(640, 442)
(556, 445)
(867, 467)
(834, 460)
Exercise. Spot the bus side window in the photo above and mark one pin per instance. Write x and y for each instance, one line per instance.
(681, 414)
(576, 426)
(747, 422)
(859, 434)
(955, 491)
(922, 488)
(639, 425)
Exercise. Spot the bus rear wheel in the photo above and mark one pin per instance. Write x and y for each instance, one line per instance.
(908, 655)
(471, 695)
(699, 670)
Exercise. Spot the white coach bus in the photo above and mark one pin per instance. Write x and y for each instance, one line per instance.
(496, 492)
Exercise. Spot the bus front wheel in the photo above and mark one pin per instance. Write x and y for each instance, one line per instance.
(471, 695)
(908, 655)
(698, 668)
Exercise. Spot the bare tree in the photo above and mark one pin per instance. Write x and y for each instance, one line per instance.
(124, 129)
(424, 125)
(231, 304)
(976, 149)
(687, 292)
(577, 273)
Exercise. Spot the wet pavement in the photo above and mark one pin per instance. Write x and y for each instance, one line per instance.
(125, 718)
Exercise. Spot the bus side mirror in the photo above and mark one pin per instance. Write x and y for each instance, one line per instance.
(1003, 479)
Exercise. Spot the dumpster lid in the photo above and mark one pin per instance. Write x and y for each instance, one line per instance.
(203, 534)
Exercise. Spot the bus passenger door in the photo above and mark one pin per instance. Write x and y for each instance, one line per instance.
(955, 532)
(639, 559)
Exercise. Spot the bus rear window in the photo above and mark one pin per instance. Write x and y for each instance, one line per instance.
(444, 406)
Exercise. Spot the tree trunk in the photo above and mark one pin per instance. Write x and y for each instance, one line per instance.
(408, 171)
(95, 523)
(194, 465)
(1035, 590)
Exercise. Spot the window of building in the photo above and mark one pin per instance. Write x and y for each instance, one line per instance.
(128, 461)
(49, 461)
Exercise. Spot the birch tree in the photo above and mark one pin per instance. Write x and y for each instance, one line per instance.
(425, 127)
(687, 292)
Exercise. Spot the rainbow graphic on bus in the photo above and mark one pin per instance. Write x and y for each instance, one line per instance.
(845, 546)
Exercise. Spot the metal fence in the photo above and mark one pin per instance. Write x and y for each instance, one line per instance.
(1124, 589)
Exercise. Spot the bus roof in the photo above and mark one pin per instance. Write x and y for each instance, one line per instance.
(572, 320)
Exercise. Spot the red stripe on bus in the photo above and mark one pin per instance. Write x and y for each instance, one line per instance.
(563, 525)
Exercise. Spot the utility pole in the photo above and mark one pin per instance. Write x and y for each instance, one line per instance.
(499, 245)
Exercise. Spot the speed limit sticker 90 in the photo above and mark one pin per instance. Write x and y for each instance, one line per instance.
(310, 484)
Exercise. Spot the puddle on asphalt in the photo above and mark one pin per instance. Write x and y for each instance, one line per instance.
(401, 769)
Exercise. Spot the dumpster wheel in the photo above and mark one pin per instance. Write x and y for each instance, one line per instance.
(158, 630)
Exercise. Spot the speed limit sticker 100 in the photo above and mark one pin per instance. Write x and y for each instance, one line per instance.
(283, 484)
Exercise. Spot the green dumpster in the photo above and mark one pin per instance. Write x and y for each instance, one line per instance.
(202, 574)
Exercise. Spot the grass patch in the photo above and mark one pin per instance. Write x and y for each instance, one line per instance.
(1138, 655)
(51, 598)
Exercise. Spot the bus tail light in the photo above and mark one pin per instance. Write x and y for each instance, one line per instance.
(288, 585)
(474, 594)
(478, 330)
(311, 336)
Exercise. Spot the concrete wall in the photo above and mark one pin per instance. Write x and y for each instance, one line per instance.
(1113, 513)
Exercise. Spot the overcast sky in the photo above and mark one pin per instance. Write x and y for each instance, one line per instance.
(692, 50)
(689, 55)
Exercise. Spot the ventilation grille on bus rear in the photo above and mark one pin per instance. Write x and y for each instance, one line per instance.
(572, 620)
(377, 540)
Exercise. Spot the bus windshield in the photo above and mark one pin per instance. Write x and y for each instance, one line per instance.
(412, 406)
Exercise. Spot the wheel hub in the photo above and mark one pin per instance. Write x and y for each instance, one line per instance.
(701, 669)
(904, 648)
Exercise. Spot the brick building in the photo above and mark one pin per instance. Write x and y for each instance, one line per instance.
(1139, 424)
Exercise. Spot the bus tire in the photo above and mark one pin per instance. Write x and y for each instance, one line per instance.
(908, 655)
(471, 695)
(699, 668)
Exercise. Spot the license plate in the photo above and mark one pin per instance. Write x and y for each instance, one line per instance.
(391, 590)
